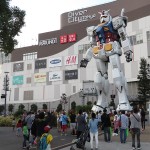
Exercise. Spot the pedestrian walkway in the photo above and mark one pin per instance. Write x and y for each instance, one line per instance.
(116, 145)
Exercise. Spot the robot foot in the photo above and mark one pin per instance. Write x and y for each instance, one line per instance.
(96, 108)
(124, 106)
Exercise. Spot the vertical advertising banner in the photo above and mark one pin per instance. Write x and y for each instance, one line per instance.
(18, 67)
(17, 80)
(71, 60)
(40, 77)
(55, 62)
(39, 64)
(55, 76)
(71, 74)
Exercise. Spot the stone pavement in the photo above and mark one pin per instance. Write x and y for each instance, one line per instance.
(116, 145)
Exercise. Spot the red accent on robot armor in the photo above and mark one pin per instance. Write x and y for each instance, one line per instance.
(110, 37)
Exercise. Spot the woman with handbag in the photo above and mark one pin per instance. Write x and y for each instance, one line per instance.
(135, 128)
(93, 125)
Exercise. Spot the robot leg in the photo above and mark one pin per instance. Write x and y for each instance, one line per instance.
(102, 87)
(119, 82)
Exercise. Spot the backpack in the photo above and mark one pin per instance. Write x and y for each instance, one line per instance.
(43, 142)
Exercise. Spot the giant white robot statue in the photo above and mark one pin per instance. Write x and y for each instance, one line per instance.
(106, 41)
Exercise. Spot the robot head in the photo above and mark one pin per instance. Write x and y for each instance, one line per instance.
(105, 16)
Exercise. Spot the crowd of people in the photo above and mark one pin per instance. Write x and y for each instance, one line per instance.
(36, 127)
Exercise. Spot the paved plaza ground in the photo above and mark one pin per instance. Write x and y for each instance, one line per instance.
(9, 141)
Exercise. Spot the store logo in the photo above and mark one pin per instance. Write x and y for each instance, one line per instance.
(55, 61)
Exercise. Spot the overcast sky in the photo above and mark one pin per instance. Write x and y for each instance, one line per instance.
(44, 16)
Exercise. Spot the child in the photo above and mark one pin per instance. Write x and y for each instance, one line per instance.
(46, 139)
(19, 127)
(13, 124)
(25, 135)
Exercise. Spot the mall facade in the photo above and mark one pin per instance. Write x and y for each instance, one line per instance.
(42, 73)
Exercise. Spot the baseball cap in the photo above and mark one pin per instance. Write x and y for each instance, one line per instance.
(47, 128)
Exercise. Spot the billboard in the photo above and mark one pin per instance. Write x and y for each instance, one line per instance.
(17, 80)
(18, 67)
(39, 64)
(71, 60)
(55, 76)
(71, 74)
(40, 77)
(55, 62)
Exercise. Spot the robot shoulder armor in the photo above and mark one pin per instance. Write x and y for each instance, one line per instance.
(119, 21)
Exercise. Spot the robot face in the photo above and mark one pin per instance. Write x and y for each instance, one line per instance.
(105, 16)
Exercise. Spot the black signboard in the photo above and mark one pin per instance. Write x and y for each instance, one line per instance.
(71, 74)
(18, 67)
(39, 64)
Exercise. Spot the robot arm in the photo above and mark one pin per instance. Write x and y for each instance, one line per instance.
(89, 53)
(119, 24)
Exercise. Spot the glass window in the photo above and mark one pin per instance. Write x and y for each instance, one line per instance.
(30, 56)
(148, 35)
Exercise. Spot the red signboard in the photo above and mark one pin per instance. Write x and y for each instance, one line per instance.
(63, 39)
(68, 38)
(72, 37)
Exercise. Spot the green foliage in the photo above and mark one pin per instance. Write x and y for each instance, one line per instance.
(45, 106)
(11, 22)
(18, 113)
(5, 121)
(34, 107)
(10, 107)
(73, 105)
(89, 103)
(86, 108)
(1, 108)
(59, 108)
(21, 107)
(144, 81)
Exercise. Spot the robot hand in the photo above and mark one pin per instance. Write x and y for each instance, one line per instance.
(128, 56)
(83, 63)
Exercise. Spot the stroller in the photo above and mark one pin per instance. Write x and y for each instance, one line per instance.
(80, 142)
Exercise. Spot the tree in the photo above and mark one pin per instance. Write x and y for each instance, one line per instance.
(59, 108)
(10, 108)
(144, 82)
(34, 107)
(89, 103)
(73, 105)
(11, 22)
(21, 107)
(45, 106)
(1, 108)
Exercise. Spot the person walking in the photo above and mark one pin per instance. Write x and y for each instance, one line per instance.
(13, 124)
(135, 128)
(106, 124)
(93, 125)
(25, 135)
(81, 123)
(142, 113)
(116, 123)
(19, 127)
(124, 126)
(64, 123)
(73, 122)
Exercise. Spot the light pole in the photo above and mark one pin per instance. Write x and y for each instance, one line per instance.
(83, 96)
(64, 99)
(6, 88)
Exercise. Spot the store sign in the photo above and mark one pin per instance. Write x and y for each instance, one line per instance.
(18, 67)
(68, 38)
(39, 64)
(55, 62)
(71, 60)
(48, 41)
(17, 80)
(80, 16)
(40, 77)
(55, 76)
(71, 74)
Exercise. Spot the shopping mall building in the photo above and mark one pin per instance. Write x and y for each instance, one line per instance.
(42, 73)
